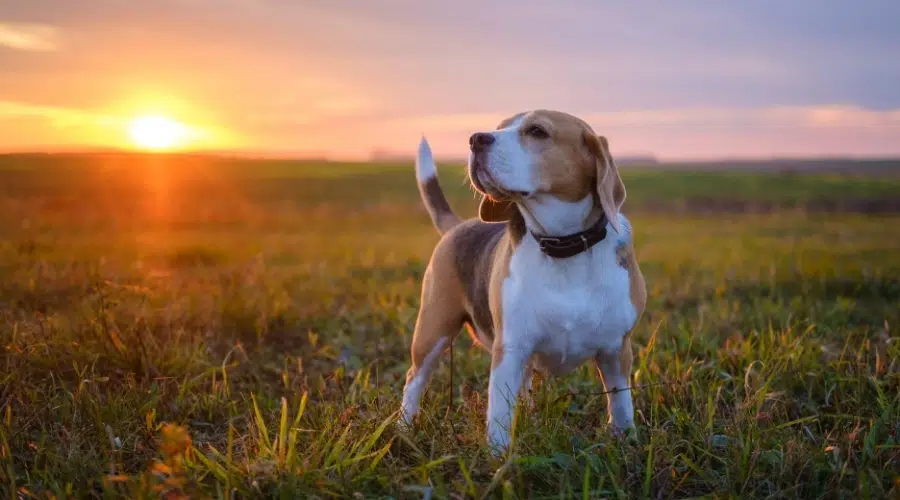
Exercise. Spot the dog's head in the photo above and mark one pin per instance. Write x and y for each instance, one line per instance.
(543, 152)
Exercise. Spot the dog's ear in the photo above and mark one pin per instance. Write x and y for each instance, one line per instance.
(610, 188)
(491, 210)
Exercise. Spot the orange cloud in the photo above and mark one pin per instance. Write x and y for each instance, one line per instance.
(30, 37)
(57, 116)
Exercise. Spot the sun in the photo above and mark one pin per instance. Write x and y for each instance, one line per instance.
(156, 132)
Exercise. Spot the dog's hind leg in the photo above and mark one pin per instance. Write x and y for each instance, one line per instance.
(438, 322)
(615, 372)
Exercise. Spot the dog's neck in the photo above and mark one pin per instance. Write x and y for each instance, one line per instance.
(549, 216)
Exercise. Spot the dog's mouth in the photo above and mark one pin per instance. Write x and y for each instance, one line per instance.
(486, 184)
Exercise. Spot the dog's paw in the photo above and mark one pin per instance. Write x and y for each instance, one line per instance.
(404, 422)
(497, 443)
(497, 451)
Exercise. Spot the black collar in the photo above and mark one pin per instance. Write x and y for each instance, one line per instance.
(561, 247)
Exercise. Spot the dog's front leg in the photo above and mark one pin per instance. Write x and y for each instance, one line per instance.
(615, 371)
(508, 364)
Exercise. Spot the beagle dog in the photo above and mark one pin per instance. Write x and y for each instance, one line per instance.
(545, 278)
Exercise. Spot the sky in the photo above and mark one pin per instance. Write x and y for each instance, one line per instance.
(693, 79)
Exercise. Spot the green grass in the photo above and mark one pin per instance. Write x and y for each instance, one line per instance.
(207, 328)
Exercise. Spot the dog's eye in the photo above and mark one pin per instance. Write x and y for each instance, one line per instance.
(537, 132)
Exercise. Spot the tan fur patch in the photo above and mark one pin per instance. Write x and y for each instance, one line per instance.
(610, 188)
(499, 272)
(626, 358)
(625, 258)
(573, 160)
(566, 166)
(442, 311)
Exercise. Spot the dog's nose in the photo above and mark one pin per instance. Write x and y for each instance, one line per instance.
(480, 141)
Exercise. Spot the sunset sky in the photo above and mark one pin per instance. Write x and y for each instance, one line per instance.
(686, 79)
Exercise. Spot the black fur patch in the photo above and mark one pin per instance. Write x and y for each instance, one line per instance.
(435, 201)
(473, 245)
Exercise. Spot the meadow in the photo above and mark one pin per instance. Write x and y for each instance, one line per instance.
(200, 327)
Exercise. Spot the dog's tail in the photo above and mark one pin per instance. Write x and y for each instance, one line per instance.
(433, 197)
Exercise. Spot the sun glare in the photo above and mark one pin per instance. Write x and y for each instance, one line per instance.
(156, 132)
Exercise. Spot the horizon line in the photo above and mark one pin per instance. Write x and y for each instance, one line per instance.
(385, 156)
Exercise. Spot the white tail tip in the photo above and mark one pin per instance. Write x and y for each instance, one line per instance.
(425, 168)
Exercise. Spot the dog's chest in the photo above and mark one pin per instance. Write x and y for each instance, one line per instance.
(568, 309)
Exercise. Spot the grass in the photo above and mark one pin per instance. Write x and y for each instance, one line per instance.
(199, 328)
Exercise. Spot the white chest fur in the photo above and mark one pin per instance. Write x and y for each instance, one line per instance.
(566, 310)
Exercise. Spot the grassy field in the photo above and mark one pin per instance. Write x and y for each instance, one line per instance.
(204, 326)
